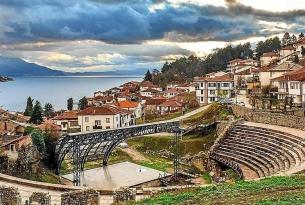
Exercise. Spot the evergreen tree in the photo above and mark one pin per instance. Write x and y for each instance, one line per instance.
(286, 39)
(293, 38)
(269, 45)
(303, 51)
(83, 103)
(301, 35)
(70, 104)
(296, 59)
(48, 110)
(38, 141)
(29, 107)
(36, 117)
(148, 76)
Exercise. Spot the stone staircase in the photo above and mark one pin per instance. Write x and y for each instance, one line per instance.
(265, 152)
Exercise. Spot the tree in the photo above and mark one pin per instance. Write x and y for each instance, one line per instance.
(301, 35)
(296, 59)
(50, 139)
(29, 107)
(83, 103)
(36, 117)
(70, 104)
(48, 110)
(293, 38)
(286, 39)
(269, 45)
(303, 51)
(148, 76)
(38, 141)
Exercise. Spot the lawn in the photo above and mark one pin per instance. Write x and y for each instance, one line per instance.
(274, 190)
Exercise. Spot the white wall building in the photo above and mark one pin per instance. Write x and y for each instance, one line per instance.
(291, 84)
(104, 117)
(214, 87)
(269, 58)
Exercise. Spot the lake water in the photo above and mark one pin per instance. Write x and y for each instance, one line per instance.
(55, 90)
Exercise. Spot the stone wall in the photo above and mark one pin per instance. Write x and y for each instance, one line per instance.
(9, 196)
(84, 197)
(260, 116)
(40, 198)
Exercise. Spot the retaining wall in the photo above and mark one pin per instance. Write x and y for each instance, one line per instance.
(260, 116)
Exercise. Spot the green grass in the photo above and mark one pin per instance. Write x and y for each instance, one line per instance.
(295, 199)
(191, 144)
(47, 176)
(207, 178)
(266, 191)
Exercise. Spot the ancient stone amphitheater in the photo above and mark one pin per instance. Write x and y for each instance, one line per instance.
(256, 150)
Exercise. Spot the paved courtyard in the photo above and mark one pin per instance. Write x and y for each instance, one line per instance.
(124, 174)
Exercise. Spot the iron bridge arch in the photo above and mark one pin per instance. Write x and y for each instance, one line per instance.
(79, 146)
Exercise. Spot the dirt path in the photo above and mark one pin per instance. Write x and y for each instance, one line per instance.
(134, 154)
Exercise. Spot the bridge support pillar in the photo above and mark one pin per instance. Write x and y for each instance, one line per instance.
(76, 161)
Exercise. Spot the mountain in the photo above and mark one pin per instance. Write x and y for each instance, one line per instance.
(18, 67)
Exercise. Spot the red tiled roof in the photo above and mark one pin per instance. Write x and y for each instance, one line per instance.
(148, 84)
(297, 75)
(127, 104)
(172, 90)
(171, 103)
(224, 78)
(155, 101)
(69, 115)
(103, 110)
(150, 90)
(49, 125)
(288, 48)
(270, 54)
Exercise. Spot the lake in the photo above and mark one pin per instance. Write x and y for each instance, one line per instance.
(55, 90)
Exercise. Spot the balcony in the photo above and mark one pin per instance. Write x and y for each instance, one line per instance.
(97, 127)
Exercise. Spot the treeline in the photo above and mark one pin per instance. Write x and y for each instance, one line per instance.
(186, 68)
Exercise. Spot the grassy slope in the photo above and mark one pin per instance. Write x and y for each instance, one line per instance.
(275, 190)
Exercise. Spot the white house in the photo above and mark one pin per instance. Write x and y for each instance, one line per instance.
(266, 73)
(287, 52)
(171, 92)
(68, 121)
(269, 58)
(291, 84)
(132, 106)
(214, 87)
(145, 85)
(104, 117)
(149, 92)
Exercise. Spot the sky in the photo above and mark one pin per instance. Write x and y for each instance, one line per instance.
(103, 35)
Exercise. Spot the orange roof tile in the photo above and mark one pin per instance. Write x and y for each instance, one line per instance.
(127, 104)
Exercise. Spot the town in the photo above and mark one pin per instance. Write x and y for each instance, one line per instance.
(271, 81)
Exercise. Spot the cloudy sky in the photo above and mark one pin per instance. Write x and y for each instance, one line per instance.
(99, 35)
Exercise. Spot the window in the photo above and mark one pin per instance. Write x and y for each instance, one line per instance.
(294, 85)
(225, 85)
(201, 99)
(212, 84)
(73, 123)
(212, 92)
(107, 127)
(212, 99)
(97, 122)
(12, 148)
(86, 119)
(87, 128)
(201, 92)
(107, 120)
(201, 85)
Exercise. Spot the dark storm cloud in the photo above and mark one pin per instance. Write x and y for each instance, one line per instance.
(131, 21)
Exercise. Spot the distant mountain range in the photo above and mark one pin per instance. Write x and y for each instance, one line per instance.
(19, 68)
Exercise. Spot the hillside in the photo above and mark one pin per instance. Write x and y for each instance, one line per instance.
(274, 190)
(19, 67)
